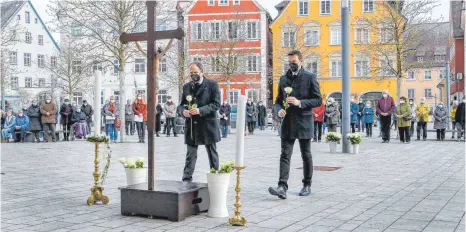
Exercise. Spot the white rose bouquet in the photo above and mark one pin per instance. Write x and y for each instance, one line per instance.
(288, 91)
(130, 163)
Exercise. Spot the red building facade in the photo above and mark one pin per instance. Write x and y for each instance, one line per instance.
(456, 50)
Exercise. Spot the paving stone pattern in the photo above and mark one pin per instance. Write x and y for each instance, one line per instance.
(387, 187)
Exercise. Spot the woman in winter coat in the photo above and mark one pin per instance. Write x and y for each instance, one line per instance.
(8, 126)
(261, 115)
(332, 115)
(66, 111)
(403, 114)
(35, 125)
(440, 121)
(158, 119)
(110, 113)
(318, 121)
(80, 123)
(354, 115)
(250, 116)
(368, 118)
(140, 117)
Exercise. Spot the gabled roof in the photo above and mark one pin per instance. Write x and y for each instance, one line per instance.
(10, 9)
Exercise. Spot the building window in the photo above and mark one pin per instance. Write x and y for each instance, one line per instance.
(78, 98)
(163, 65)
(142, 92)
(96, 65)
(27, 17)
(210, 2)
(286, 67)
(216, 65)
(368, 6)
(411, 93)
(162, 96)
(386, 35)
(303, 7)
(253, 94)
(41, 39)
(411, 75)
(41, 82)
(35, 20)
(428, 75)
(27, 59)
(420, 59)
(234, 97)
(40, 61)
(361, 36)
(325, 7)
(335, 68)
(253, 30)
(76, 67)
(223, 2)
(440, 58)
(161, 28)
(140, 66)
(14, 83)
(236, 2)
(215, 30)
(335, 36)
(13, 58)
(311, 38)
(313, 67)
(441, 74)
(362, 68)
(53, 62)
(350, 5)
(428, 93)
(28, 82)
(253, 64)
(232, 30)
(28, 37)
(116, 93)
(386, 67)
(197, 31)
(197, 59)
(116, 66)
(289, 39)
(53, 81)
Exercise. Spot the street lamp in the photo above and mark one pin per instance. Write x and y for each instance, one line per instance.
(345, 124)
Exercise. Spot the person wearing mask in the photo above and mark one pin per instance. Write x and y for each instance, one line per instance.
(225, 111)
(2, 116)
(460, 119)
(354, 110)
(261, 115)
(440, 121)
(298, 121)
(201, 125)
(403, 115)
(158, 119)
(368, 118)
(25, 108)
(8, 126)
(422, 112)
(49, 121)
(66, 110)
(332, 115)
(385, 108)
(361, 125)
(170, 112)
(79, 123)
(452, 117)
(35, 126)
(89, 112)
(318, 121)
(250, 116)
(129, 118)
(140, 117)
(413, 116)
(21, 125)
(110, 113)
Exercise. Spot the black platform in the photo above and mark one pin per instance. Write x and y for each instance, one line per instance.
(172, 200)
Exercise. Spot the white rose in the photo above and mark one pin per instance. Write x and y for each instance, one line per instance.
(189, 98)
(130, 162)
(122, 161)
(288, 90)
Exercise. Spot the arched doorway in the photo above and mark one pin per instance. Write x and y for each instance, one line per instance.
(373, 97)
(337, 96)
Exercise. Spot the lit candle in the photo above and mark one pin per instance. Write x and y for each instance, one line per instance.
(97, 95)
(240, 122)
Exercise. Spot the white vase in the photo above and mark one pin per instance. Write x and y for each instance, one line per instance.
(333, 147)
(135, 175)
(355, 148)
(218, 188)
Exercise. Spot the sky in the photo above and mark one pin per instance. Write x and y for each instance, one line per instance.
(442, 11)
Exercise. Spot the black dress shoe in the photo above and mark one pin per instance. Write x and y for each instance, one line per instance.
(279, 191)
(305, 191)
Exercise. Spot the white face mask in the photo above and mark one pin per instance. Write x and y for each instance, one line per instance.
(385, 95)
(329, 103)
(48, 101)
(402, 102)
(422, 101)
(78, 110)
(368, 105)
(139, 98)
(112, 101)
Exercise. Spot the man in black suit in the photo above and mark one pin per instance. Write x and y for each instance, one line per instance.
(201, 125)
(296, 109)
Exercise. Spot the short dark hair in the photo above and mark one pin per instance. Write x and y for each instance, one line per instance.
(199, 65)
(411, 99)
(403, 98)
(296, 52)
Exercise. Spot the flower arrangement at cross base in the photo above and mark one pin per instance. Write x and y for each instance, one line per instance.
(135, 171)
(218, 182)
(355, 139)
(333, 138)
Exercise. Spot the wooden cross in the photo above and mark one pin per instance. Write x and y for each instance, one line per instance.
(151, 36)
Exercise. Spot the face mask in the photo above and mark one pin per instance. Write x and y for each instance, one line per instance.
(440, 106)
(48, 101)
(385, 95)
(34, 103)
(21, 115)
(78, 110)
(139, 98)
(195, 77)
(225, 103)
(85, 103)
(249, 102)
(112, 101)
(360, 101)
(402, 102)
(294, 67)
(329, 103)
(422, 101)
(368, 105)
(411, 103)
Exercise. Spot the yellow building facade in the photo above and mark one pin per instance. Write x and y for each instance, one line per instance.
(314, 28)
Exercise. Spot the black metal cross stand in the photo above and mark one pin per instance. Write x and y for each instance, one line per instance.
(151, 36)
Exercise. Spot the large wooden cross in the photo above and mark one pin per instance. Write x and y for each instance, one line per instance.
(151, 36)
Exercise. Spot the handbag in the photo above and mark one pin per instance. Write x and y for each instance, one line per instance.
(118, 123)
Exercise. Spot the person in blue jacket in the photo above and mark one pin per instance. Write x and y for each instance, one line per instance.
(8, 126)
(354, 114)
(368, 118)
(21, 125)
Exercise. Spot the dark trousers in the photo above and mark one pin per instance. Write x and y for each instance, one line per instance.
(251, 126)
(129, 126)
(36, 135)
(440, 134)
(404, 134)
(224, 129)
(352, 127)
(318, 130)
(171, 124)
(19, 137)
(421, 126)
(332, 127)
(285, 157)
(66, 131)
(191, 158)
(411, 129)
(49, 127)
(386, 120)
(141, 130)
(369, 129)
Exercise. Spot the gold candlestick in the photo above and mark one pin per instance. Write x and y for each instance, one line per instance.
(238, 219)
(96, 190)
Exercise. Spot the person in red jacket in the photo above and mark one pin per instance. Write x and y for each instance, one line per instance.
(318, 121)
(140, 116)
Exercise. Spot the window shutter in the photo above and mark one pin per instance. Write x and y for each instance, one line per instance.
(193, 31)
(259, 63)
(205, 31)
(258, 30)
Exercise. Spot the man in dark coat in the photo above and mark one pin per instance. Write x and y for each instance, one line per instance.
(158, 118)
(200, 100)
(262, 115)
(66, 111)
(460, 119)
(35, 126)
(361, 124)
(250, 116)
(225, 111)
(298, 93)
(89, 112)
(385, 108)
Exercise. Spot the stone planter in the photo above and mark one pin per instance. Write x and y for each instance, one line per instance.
(218, 188)
(355, 148)
(135, 175)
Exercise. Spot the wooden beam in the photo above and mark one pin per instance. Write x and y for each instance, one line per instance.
(143, 36)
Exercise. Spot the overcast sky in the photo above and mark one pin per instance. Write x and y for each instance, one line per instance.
(441, 12)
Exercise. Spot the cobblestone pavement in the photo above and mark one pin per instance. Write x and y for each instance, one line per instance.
(387, 187)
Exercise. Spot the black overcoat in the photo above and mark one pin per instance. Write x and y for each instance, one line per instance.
(33, 112)
(298, 122)
(225, 109)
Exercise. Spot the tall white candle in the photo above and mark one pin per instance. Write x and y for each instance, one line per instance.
(240, 123)
(97, 96)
